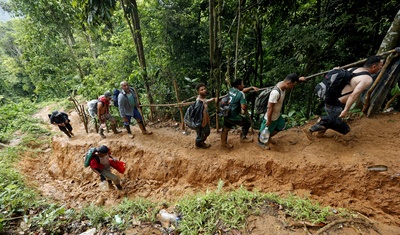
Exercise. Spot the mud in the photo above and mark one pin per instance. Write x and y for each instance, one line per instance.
(165, 166)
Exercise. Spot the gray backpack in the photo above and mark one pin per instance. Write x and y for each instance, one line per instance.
(92, 108)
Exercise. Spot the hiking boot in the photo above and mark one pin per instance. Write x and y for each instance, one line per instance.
(246, 140)
(317, 127)
(263, 146)
(119, 187)
(203, 146)
(114, 129)
(308, 134)
(143, 129)
(101, 133)
(68, 134)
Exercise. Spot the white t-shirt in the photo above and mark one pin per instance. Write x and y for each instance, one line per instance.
(273, 98)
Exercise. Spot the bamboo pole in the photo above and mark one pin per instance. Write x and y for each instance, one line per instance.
(350, 65)
(180, 107)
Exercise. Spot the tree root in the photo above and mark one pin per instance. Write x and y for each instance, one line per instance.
(342, 221)
(325, 228)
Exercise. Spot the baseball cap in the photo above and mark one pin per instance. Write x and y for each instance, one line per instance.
(103, 149)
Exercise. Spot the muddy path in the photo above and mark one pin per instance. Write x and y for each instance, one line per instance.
(165, 166)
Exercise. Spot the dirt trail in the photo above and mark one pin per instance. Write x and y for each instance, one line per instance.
(166, 166)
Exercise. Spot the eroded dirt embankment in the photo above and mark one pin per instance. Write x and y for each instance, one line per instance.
(166, 166)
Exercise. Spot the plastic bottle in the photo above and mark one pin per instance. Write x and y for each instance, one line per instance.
(165, 216)
(264, 136)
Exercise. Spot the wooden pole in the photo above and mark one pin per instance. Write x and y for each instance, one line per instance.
(179, 106)
(350, 65)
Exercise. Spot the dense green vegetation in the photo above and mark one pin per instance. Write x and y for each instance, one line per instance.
(54, 49)
(76, 47)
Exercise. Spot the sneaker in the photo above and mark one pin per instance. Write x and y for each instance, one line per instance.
(205, 145)
(201, 146)
(317, 127)
(263, 146)
(246, 140)
(308, 134)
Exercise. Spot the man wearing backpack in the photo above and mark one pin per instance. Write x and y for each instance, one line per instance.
(337, 108)
(128, 103)
(103, 113)
(238, 107)
(273, 119)
(101, 163)
(203, 131)
(61, 120)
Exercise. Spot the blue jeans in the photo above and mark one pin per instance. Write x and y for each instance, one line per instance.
(136, 115)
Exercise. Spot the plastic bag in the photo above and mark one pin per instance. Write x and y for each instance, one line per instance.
(118, 165)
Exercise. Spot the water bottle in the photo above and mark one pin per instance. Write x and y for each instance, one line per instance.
(264, 135)
(165, 216)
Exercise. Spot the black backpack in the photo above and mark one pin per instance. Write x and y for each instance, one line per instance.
(261, 102)
(194, 116)
(330, 88)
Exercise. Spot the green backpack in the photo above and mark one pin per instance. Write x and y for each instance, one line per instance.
(88, 156)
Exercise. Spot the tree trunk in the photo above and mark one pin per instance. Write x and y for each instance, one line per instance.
(378, 92)
(392, 36)
(386, 83)
(215, 47)
(137, 38)
(74, 57)
(237, 39)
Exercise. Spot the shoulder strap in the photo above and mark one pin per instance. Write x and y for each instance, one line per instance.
(279, 91)
(101, 102)
(353, 69)
(358, 74)
(361, 73)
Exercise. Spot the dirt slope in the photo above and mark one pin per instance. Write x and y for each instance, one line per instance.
(166, 166)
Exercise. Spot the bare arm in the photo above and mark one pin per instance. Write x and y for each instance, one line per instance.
(360, 87)
(247, 89)
(244, 107)
(100, 111)
(269, 113)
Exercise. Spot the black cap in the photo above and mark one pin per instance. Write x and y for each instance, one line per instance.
(103, 149)
(107, 94)
(56, 113)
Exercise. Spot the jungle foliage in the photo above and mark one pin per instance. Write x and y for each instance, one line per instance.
(54, 49)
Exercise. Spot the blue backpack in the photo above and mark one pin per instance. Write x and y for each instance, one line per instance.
(115, 97)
